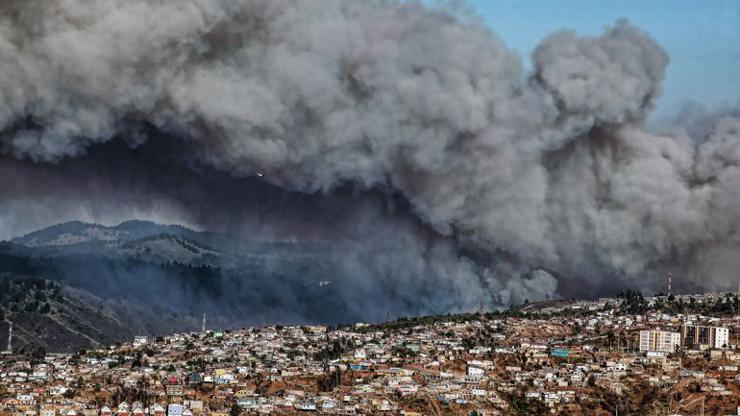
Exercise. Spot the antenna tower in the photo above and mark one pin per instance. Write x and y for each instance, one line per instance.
(10, 338)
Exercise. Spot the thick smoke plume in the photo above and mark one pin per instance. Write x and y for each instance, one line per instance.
(510, 177)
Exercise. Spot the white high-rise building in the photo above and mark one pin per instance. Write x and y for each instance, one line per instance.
(660, 341)
(701, 337)
(721, 337)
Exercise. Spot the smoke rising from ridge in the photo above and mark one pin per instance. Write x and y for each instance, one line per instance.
(533, 175)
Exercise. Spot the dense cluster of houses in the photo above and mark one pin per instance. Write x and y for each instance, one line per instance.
(586, 359)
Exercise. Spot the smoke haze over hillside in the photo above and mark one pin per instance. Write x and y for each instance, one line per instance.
(413, 136)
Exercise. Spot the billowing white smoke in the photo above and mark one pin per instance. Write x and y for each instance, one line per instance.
(552, 167)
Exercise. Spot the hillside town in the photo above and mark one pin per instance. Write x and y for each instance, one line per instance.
(661, 355)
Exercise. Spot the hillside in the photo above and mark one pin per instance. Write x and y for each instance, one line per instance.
(48, 317)
(110, 283)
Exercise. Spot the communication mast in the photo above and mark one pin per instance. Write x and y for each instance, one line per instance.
(9, 350)
(670, 277)
(203, 326)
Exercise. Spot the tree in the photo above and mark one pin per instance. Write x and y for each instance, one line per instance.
(633, 302)
(45, 309)
(38, 354)
(235, 410)
(137, 360)
(330, 380)
(70, 393)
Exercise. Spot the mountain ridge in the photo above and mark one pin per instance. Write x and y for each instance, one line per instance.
(127, 230)
(161, 278)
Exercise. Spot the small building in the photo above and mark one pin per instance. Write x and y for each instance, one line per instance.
(175, 410)
(141, 340)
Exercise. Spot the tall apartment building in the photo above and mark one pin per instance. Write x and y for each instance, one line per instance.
(661, 341)
(698, 336)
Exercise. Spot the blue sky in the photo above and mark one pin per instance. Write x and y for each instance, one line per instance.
(702, 38)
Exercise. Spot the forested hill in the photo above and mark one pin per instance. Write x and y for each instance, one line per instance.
(79, 284)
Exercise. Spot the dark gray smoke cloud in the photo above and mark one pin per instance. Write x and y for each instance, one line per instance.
(529, 175)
